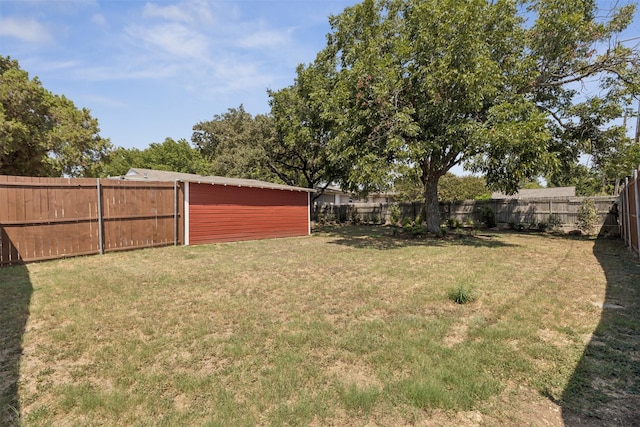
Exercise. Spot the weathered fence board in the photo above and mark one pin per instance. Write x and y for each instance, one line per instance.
(508, 212)
(629, 207)
(46, 218)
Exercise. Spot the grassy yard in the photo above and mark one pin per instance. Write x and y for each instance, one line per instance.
(351, 326)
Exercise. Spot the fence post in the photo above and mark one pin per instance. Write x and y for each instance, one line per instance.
(624, 212)
(100, 218)
(175, 213)
(637, 181)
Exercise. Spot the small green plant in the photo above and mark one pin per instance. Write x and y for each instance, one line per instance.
(588, 217)
(394, 214)
(415, 227)
(462, 294)
(354, 216)
(454, 223)
(487, 216)
(520, 226)
(554, 221)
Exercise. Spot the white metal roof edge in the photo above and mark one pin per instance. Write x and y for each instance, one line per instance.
(167, 176)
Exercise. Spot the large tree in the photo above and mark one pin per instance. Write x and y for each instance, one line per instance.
(234, 143)
(43, 134)
(299, 152)
(431, 84)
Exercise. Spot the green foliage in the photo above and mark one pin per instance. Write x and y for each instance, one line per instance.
(486, 215)
(452, 188)
(407, 185)
(532, 184)
(234, 144)
(299, 151)
(415, 227)
(425, 85)
(409, 188)
(170, 155)
(354, 217)
(572, 174)
(588, 218)
(454, 223)
(42, 134)
(395, 214)
(554, 222)
(462, 294)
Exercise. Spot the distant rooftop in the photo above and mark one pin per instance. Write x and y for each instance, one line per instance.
(539, 193)
(139, 174)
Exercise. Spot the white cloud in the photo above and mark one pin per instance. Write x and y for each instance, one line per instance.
(187, 12)
(173, 39)
(265, 39)
(100, 20)
(170, 13)
(28, 30)
(144, 69)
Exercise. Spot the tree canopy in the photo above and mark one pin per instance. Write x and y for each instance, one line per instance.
(494, 85)
(42, 134)
(170, 155)
(299, 153)
(233, 143)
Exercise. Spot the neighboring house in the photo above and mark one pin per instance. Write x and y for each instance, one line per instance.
(538, 193)
(336, 197)
(220, 209)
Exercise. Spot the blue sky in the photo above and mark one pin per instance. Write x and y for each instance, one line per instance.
(151, 69)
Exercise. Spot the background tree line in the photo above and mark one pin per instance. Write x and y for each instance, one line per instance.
(404, 91)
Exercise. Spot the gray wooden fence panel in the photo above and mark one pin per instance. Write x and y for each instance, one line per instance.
(508, 212)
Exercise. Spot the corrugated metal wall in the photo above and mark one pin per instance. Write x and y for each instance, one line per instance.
(219, 213)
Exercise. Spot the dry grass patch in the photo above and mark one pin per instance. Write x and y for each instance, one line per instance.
(351, 326)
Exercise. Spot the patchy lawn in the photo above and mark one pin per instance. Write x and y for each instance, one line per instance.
(351, 326)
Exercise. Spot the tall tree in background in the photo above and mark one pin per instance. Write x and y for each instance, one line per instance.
(233, 143)
(431, 84)
(170, 155)
(408, 187)
(42, 134)
(299, 152)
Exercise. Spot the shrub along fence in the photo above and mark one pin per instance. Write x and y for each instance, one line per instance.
(514, 213)
(47, 218)
(628, 208)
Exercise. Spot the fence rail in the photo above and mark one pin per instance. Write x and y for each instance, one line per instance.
(508, 212)
(48, 218)
(629, 207)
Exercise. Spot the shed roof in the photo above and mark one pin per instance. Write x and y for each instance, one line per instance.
(139, 174)
(538, 193)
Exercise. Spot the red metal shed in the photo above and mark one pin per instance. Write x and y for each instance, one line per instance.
(219, 209)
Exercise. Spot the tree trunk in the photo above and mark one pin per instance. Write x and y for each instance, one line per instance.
(431, 205)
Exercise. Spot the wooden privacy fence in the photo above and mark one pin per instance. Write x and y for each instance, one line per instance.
(628, 208)
(529, 213)
(47, 218)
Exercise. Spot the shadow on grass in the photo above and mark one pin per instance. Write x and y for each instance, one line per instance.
(605, 387)
(384, 238)
(15, 296)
